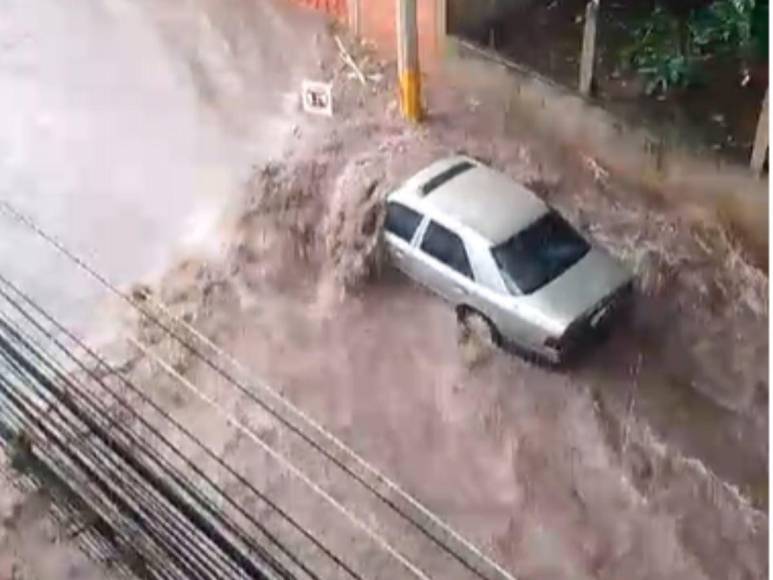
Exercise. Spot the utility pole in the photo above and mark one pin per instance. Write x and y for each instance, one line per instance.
(442, 27)
(760, 150)
(588, 58)
(355, 22)
(408, 60)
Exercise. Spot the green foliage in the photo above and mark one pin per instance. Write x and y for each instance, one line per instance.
(759, 31)
(672, 71)
(724, 27)
(657, 53)
(668, 50)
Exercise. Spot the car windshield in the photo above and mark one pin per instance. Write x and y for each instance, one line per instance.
(539, 254)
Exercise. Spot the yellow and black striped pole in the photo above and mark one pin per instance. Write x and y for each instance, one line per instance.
(408, 60)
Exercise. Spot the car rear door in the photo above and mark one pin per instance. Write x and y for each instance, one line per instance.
(442, 263)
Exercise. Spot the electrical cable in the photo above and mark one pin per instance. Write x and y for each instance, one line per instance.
(484, 567)
(132, 439)
(160, 486)
(98, 359)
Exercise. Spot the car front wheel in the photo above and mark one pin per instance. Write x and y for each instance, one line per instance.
(474, 325)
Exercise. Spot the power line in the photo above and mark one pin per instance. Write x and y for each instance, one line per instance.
(165, 415)
(69, 504)
(164, 465)
(440, 533)
(377, 538)
(150, 501)
(125, 463)
(42, 432)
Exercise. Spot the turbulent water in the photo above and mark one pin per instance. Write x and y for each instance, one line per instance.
(138, 121)
(127, 125)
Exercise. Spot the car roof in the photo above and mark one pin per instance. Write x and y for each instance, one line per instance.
(480, 198)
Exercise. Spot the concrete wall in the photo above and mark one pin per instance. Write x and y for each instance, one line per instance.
(377, 21)
(378, 24)
(336, 8)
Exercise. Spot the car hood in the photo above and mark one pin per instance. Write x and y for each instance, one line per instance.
(579, 289)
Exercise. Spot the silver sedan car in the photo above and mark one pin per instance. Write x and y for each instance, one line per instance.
(505, 259)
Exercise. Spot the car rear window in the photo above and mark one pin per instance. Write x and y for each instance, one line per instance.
(401, 221)
(446, 176)
(446, 246)
(539, 254)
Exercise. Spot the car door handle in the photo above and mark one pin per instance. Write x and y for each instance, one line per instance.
(460, 290)
(400, 253)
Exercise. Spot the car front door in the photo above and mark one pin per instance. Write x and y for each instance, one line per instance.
(443, 265)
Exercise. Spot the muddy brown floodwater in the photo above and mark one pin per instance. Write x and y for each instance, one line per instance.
(129, 125)
(648, 460)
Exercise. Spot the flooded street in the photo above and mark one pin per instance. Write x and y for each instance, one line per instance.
(647, 460)
(163, 142)
(127, 126)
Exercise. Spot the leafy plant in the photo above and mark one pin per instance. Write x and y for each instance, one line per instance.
(672, 71)
(759, 31)
(657, 53)
(668, 48)
(724, 27)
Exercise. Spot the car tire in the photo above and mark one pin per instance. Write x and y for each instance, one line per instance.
(473, 323)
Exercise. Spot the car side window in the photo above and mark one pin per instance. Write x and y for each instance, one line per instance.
(446, 246)
(401, 221)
